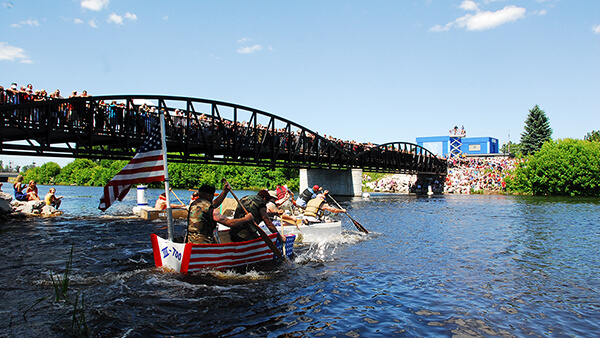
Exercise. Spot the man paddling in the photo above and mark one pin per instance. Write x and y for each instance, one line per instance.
(204, 215)
(309, 194)
(257, 206)
(315, 209)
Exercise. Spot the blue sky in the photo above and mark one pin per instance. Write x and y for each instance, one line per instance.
(371, 71)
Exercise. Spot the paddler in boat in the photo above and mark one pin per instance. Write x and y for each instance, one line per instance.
(161, 203)
(274, 211)
(257, 206)
(204, 215)
(309, 194)
(315, 209)
(285, 198)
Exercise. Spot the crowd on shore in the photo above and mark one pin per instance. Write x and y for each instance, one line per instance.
(466, 175)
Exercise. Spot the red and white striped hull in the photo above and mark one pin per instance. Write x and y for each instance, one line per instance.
(188, 257)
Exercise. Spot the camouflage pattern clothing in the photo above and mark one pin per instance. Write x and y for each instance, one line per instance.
(201, 224)
(248, 230)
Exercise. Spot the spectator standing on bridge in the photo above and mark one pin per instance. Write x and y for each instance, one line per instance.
(309, 194)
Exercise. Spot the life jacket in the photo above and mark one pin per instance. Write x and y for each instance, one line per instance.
(281, 191)
(306, 194)
(313, 208)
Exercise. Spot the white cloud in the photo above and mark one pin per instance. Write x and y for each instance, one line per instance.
(244, 40)
(94, 5)
(487, 20)
(249, 49)
(118, 19)
(482, 20)
(78, 21)
(596, 29)
(93, 23)
(130, 16)
(26, 23)
(469, 5)
(12, 53)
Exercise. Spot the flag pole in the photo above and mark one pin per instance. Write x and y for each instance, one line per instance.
(167, 192)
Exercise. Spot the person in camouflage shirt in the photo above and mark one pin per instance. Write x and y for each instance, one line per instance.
(204, 215)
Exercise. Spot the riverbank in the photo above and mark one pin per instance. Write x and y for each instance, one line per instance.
(484, 176)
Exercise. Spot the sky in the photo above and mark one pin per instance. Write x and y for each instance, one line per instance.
(372, 71)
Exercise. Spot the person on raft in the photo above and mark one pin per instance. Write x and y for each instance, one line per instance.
(161, 203)
(257, 206)
(309, 194)
(204, 215)
(315, 209)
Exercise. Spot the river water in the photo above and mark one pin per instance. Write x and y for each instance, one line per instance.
(452, 265)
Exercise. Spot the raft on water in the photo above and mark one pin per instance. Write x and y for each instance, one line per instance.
(153, 213)
(188, 257)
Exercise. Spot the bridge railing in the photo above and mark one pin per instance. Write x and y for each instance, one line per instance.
(198, 130)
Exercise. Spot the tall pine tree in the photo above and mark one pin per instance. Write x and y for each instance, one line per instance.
(537, 131)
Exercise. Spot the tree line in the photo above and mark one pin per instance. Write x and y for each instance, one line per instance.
(85, 172)
(567, 167)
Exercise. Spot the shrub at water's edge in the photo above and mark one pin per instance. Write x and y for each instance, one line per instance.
(562, 168)
(84, 172)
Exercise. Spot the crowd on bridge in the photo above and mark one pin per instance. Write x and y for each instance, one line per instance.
(466, 175)
(133, 119)
(14, 94)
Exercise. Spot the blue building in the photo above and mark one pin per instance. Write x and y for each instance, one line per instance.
(457, 145)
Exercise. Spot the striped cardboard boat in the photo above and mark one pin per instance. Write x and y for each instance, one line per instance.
(188, 257)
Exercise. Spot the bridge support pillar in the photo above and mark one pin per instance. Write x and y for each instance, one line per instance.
(338, 182)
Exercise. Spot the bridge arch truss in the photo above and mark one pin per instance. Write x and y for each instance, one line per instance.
(198, 131)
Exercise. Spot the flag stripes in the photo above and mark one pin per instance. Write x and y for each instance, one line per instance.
(145, 167)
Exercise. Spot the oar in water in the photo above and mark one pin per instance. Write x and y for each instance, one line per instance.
(358, 225)
(262, 233)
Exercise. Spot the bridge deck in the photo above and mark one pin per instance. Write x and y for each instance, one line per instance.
(198, 130)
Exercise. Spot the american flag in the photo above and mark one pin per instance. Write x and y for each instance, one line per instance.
(145, 167)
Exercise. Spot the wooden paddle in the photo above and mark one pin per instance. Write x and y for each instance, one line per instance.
(262, 233)
(178, 198)
(358, 225)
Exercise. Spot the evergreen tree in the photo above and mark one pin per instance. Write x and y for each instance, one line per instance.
(593, 136)
(537, 131)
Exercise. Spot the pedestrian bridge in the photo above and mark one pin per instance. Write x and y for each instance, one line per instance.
(197, 131)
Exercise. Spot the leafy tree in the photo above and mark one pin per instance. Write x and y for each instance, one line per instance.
(48, 173)
(593, 136)
(512, 148)
(26, 167)
(537, 131)
(563, 167)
